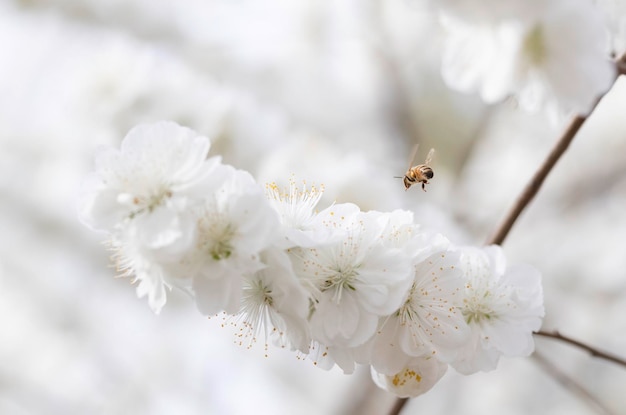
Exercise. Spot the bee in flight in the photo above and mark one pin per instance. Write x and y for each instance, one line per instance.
(420, 173)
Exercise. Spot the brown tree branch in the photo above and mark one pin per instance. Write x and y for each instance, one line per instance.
(398, 405)
(531, 190)
(621, 65)
(561, 377)
(570, 384)
(537, 180)
(524, 199)
(591, 350)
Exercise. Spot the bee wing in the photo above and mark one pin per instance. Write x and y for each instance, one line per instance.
(413, 154)
(429, 157)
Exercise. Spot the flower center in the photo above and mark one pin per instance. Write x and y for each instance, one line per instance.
(534, 46)
(147, 203)
(217, 238)
(477, 308)
(340, 279)
(407, 375)
(409, 312)
(295, 206)
(259, 294)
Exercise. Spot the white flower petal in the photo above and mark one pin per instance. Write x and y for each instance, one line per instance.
(214, 295)
(502, 307)
(274, 301)
(343, 324)
(418, 377)
(550, 55)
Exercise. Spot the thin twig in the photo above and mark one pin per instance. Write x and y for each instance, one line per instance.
(621, 65)
(561, 377)
(524, 199)
(537, 180)
(592, 350)
(398, 405)
(533, 187)
(569, 383)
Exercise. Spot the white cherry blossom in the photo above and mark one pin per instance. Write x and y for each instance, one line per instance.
(144, 195)
(234, 226)
(354, 280)
(552, 57)
(273, 301)
(414, 379)
(300, 223)
(133, 259)
(150, 184)
(429, 322)
(342, 286)
(501, 305)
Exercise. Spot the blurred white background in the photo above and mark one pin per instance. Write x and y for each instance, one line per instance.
(335, 92)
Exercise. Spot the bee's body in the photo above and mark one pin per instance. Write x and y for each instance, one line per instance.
(420, 173)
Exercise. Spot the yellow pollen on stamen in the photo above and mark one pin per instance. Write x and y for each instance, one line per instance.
(400, 379)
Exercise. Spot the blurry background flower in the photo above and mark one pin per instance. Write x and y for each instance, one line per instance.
(552, 57)
(334, 92)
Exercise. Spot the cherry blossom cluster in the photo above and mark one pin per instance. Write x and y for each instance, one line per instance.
(549, 54)
(339, 285)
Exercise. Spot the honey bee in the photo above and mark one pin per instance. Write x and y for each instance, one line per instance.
(420, 173)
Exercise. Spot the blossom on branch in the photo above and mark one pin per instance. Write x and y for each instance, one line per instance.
(234, 225)
(429, 322)
(159, 172)
(414, 379)
(353, 280)
(342, 286)
(550, 56)
(275, 303)
(300, 223)
(502, 305)
(144, 195)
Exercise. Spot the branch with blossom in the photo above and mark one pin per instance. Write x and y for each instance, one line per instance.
(342, 286)
(521, 203)
(337, 284)
(529, 193)
(591, 350)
